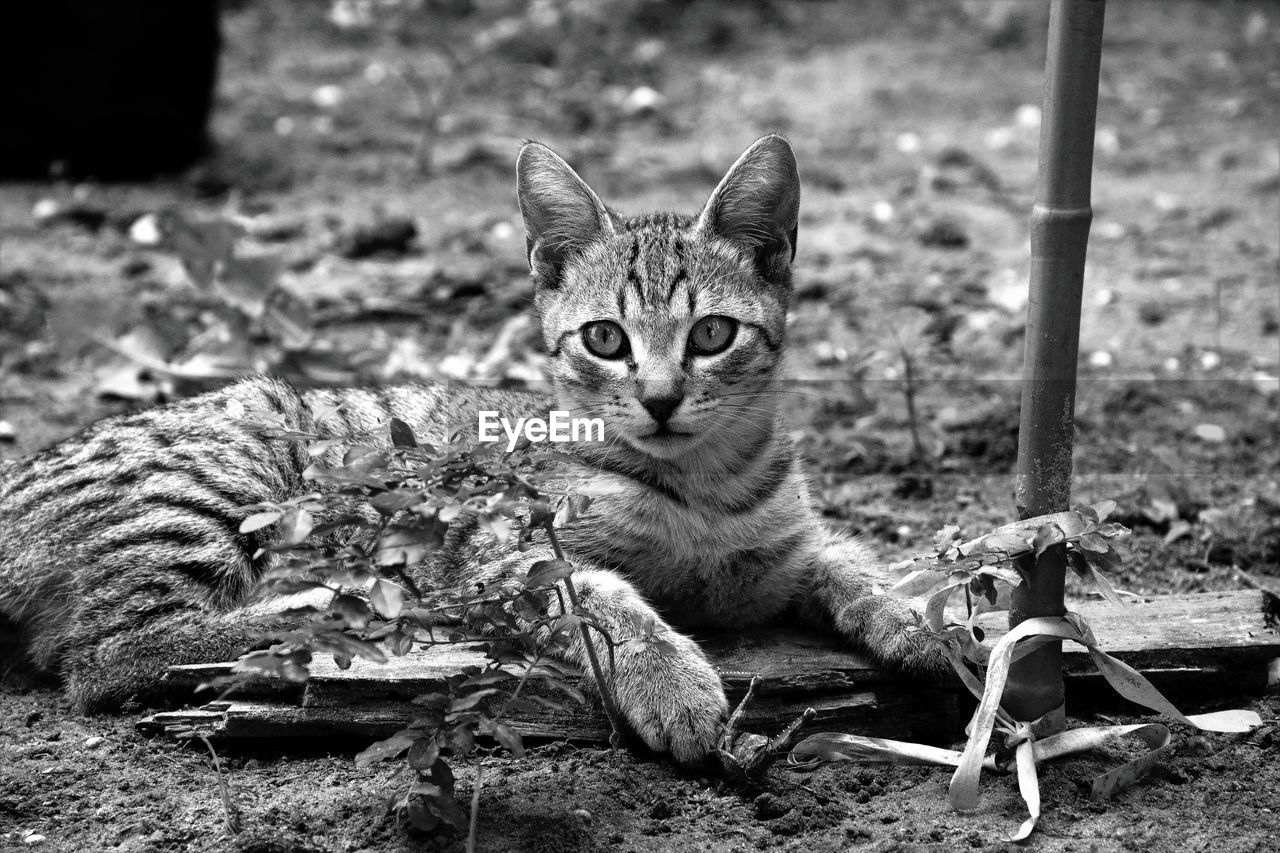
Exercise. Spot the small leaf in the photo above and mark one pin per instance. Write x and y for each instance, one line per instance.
(495, 525)
(1103, 509)
(487, 678)
(1094, 542)
(400, 643)
(387, 598)
(1112, 530)
(389, 748)
(353, 610)
(259, 520)
(316, 448)
(420, 817)
(1079, 563)
(918, 582)
(1107, 560)
(664, 647)
(1007, 544)
(943, 539)
(471, 700)
(1105, 588)
(1046, 537)
(509, 738)
(461, 740)
(1011, 577)
(402, 434)
(295, 526)
(389, 503)
(423, 754)
(356, 452)
(547, 572)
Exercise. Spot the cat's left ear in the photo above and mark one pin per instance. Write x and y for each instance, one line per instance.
(757, 206)
(561, 213)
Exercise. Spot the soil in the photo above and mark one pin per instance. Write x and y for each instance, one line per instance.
(916, 130)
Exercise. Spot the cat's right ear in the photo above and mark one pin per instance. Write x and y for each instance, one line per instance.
(561, 213)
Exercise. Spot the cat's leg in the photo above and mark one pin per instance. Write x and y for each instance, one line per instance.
(673, 700)
(103, 670)
(839, 596)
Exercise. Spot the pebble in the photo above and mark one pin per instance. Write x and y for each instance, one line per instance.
(33, 838)
(94, 742)
(145, 230)
(583, 815)
(908, 143)
(642, 99)
(45, 209)
(1198, 745)
(998, 138)
(1211, 433)
(328, 96)
(1106, 141)
(1109, 230)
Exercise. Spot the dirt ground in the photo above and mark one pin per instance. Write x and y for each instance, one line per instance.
(916, 130)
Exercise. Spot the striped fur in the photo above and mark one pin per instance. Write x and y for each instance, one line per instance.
(120, 550)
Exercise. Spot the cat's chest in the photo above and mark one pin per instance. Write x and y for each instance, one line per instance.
(699, 564)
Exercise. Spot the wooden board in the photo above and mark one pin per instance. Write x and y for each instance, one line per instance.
(1192, 646)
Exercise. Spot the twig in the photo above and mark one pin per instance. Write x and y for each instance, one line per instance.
(913, 418)
(475, 810)
(606, 696)
(228, 810)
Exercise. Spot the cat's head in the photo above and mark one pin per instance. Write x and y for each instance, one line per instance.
(668, 327)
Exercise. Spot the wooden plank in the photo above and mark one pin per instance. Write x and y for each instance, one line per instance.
(916, 716)
(1212, 644)
(1173, 624)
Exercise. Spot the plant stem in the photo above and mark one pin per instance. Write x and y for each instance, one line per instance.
(1059, 238)
(909, 375)
(606, 695)
(475, 810)
(228, 810)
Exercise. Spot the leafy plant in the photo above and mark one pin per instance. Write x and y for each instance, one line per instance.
(365, 536)
(986, 569)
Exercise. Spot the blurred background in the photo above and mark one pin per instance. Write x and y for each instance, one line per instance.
(325, 191)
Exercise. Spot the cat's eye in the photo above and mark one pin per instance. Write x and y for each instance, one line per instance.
(712, 335)
(605, 339)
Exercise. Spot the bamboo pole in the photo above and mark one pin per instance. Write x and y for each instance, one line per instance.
(1059, 236)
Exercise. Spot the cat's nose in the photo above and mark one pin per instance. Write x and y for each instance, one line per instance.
(661, 407)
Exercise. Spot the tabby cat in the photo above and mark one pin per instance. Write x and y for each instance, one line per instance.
(120, 549)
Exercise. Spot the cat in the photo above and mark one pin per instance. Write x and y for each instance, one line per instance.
(121, 552)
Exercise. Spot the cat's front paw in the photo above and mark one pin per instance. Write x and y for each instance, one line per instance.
(673, 699)
(899, 637)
